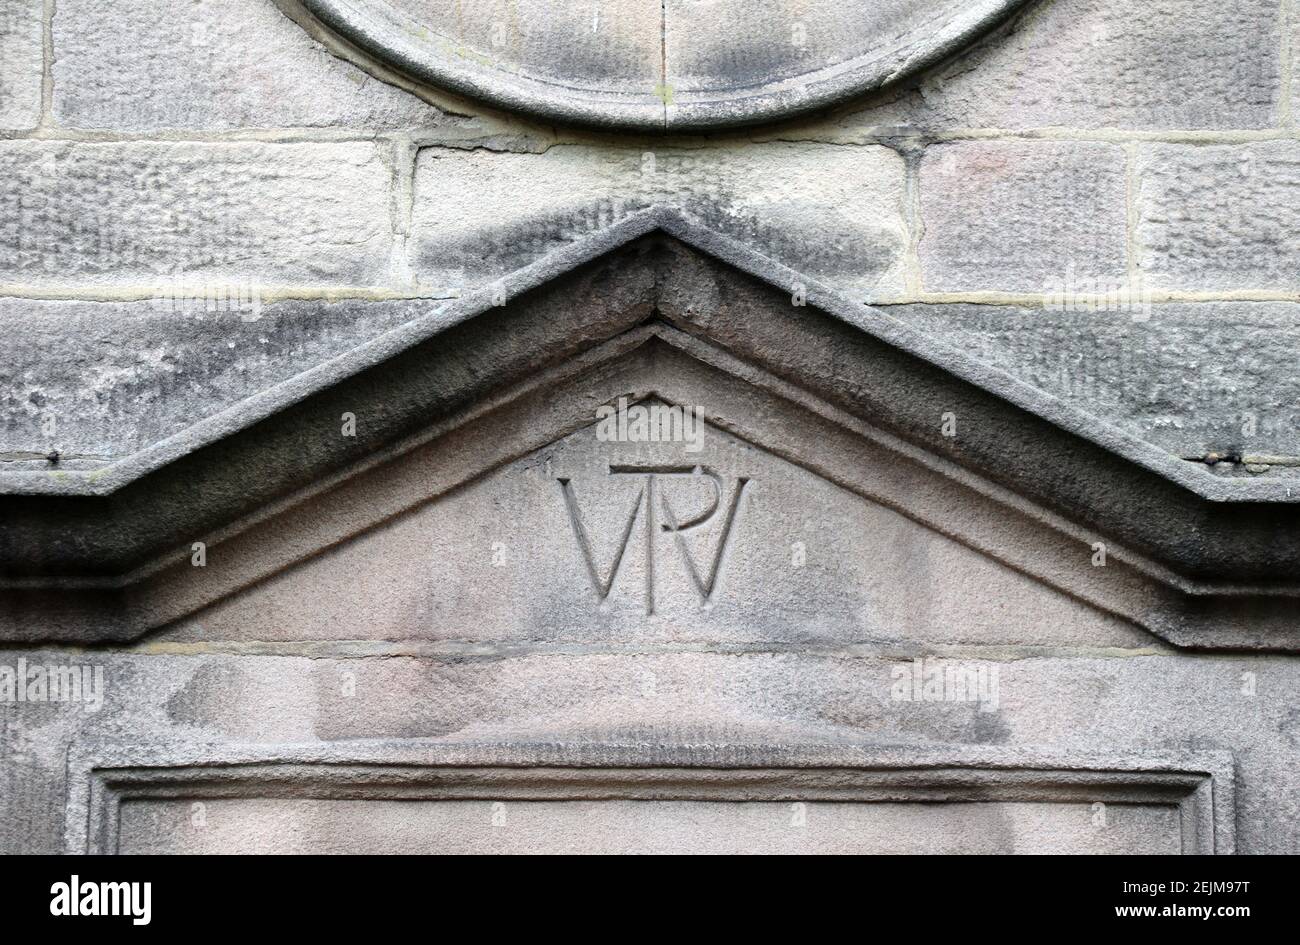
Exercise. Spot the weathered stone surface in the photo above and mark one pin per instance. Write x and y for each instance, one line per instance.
(158, 64)
(150, 213)
(1197, 379)
(118, 377)
(835, 213)
(1219, 217)
(432, 591)
(652, 65)
(722, 46)
(479, 216)
(559, 547)
(22, 58)
(731, 62)
(271, 826)
(1021, 215)
(652, 316)
(613, 47)
(1104, 64)
(1295, 77)
(1078, 704)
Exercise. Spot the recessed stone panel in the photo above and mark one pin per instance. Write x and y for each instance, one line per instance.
(315, 826)
(884, 801)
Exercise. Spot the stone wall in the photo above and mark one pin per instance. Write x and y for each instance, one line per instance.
(199, 201)
(1088, 148)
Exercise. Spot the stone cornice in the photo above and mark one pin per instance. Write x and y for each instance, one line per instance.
(1200, 560)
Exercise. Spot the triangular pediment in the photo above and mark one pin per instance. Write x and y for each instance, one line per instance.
(779, 528)
(968, 500)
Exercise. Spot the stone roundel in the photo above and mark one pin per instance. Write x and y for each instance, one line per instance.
(660, 65)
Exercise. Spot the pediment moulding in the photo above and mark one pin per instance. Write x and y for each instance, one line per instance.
(808, 388)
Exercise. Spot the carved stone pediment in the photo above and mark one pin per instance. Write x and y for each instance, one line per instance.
(854, 482)
(528, 526)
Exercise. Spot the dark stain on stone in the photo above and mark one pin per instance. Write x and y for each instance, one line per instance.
(496, 251)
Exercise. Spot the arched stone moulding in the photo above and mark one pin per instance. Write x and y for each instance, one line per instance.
(660, 65)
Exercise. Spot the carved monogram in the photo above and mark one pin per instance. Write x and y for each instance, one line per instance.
(645, 503)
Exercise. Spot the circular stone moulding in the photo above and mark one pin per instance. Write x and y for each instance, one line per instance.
(662, 65)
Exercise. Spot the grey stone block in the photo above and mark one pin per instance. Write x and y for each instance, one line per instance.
(116, 377)
(1216, 218)
(1295, 59)
(153, 213)
(671, 66)
(677, 711)
(835, 213)
(1160, 64)
(1021, 215)
(22, 58)
(142, 65)
(1196, 379)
